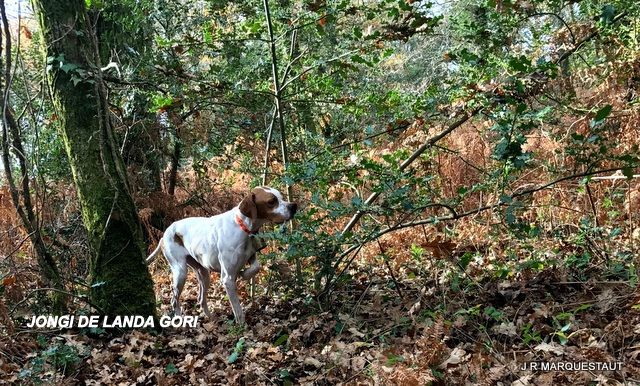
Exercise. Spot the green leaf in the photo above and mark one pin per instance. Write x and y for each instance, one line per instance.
(615, 232)
(282, 339)
(284, 373)
(392, 359)
(542, 114)
(240, 344)
(510, 217)
(628, 172)
(607, 15)
(207, 34)
(357, 32)
(506, 198)
(603, 113)
(361, 60)
(171, 369)
(437, 373)
(233, 357)
(465, 260)
(237, 350)
(521, 63)
(583, 307)
(577, 137)
(562, 337)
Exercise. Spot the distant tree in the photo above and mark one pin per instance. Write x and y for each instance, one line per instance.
(21, 193)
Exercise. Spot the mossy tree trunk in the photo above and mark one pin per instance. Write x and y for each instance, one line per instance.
(121, 284)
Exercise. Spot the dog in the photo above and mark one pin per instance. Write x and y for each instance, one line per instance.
(224, 243)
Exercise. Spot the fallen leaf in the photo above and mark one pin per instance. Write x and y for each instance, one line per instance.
(179, 342)
(357, 333)
(9, 280)
(457, 356)
(358, 363)
(522, 381)
(362, 344)
(508, 329)
(550, 347)
(313, 362)
(209, 326)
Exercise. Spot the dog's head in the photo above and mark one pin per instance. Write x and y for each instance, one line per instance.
(265, 204)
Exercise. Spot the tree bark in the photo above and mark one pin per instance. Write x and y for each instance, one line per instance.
(175, 164)
(120, 281)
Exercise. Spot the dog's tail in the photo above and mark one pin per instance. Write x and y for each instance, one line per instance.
(155, 253)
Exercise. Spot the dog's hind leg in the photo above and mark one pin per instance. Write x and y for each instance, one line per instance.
(179, 277)
(204, 280)
(177, 257)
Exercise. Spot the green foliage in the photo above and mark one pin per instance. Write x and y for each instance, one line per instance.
(363, 85)
(529, 335)
(56, 356)
(235, 330)
(280, 340)
(171, 369)
(562, 323)
(237, 350)
(393, 359)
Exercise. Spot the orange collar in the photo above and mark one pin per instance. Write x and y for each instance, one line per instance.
(243, 226)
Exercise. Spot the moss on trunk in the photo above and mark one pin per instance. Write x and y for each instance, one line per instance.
(121, 283)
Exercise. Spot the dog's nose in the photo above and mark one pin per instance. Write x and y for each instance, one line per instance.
(293, 208)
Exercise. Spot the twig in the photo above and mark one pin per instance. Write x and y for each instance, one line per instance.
(82, 297)
(386, 263)
(593, 206)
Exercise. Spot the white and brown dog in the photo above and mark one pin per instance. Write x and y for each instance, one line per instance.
(222, 243)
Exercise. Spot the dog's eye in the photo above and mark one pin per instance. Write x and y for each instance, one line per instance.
(273, 201)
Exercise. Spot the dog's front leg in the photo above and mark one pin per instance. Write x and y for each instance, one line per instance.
(229, 284)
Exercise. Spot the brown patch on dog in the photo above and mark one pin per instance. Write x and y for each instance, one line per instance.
(248, 206)
(177, 238)
(266, 203)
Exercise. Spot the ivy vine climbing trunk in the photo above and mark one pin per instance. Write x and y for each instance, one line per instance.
(120, 281)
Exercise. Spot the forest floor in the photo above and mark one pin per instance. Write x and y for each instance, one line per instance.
(402, 329)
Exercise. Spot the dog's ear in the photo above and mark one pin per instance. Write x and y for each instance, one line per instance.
(248, 206)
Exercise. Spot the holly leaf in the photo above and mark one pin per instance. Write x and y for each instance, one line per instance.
(607, 15)
(603, 113)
